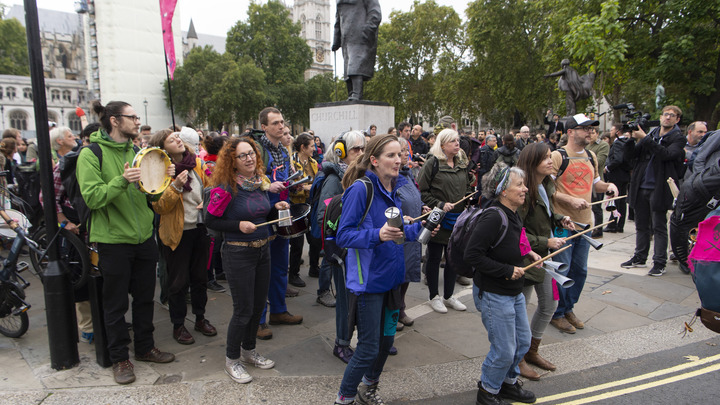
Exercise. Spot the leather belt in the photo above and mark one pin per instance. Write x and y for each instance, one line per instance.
(254, 244)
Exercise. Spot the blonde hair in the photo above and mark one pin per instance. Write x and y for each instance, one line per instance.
(445, 136)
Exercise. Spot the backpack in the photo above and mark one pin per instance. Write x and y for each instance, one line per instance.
(67, 166)
(28, 180)
(566, 161)
(331, 220)
(314, 201)
(461, 234)
(704, 261)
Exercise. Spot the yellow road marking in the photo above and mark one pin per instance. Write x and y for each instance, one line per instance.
(630, 380)
(645, 386)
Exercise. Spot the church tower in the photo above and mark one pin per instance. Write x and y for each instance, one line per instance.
(317, 30)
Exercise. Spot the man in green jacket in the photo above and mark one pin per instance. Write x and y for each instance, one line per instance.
(121, 223)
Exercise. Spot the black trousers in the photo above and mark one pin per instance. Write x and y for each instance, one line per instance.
(647, 222)
(621, 205)
(434, 255)
(187, 268)
(296, 248)
(128, 268)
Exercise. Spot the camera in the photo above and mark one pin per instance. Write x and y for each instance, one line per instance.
(635, 120)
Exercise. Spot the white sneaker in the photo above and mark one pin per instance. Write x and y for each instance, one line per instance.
(455, 304)
(236, 371)
(253, 358)
(437, 305)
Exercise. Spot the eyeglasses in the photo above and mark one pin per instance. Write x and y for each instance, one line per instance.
(669, 115)
(245, 156)
(586, 129)
(358, 148)
(132, 117)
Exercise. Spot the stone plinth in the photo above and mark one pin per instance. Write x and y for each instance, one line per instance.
(329, 120)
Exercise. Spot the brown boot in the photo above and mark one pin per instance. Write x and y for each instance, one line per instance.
(534, 358)
(574, 320)
(527, 371)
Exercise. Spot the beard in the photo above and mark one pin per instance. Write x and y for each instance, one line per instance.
(130, 135)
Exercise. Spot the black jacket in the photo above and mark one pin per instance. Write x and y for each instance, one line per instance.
(419, 145)
(552, 126)
(618, 166)
(667, 161)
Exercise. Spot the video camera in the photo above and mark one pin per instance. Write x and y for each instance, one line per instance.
(635, 119)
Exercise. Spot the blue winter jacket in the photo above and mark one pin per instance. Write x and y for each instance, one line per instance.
(372, 266)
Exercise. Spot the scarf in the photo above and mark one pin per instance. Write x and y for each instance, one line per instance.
(249, 184)
(279, 158)
(188, 163)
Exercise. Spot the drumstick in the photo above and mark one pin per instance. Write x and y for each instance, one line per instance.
(673, 187)
(545, 258)
(588, 230)
(609, 199)
(271, 222)
(455, 203)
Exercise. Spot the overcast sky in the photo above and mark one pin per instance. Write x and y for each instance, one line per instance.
(215, 17)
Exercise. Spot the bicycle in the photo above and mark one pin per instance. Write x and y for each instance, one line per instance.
(14, 321)
(74, 253)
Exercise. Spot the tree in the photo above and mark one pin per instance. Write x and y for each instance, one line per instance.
(272, 41)
(13, 48)
(410, 47)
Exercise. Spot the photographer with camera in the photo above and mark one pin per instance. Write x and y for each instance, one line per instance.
(657, 155)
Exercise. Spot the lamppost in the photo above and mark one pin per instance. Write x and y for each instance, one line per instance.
(2, 112)
(145, 103)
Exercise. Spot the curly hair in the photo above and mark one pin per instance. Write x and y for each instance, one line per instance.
(225, 171)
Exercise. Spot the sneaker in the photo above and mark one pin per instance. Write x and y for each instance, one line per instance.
(87, 337)
(633, 262)
(294, 279)
(563, 325)
(236, 371)
(220, 277)
(344, 353)
(464, 281)
(399, 327)
(314, 272)
(264, 332)
(327, 299)
(406, 320)
(393, 351)
(285, 318)
(684, 268)
(291, 292)
(253, 358)
(656, 271)
(214, 286)
(437, 305)
(368, 394)
(672, 257)
(123, 372)
(517, 393)
(454, 303)
(156, 356)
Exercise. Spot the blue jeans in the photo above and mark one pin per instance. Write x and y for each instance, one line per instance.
(505, 319)
(342, 334)
(373, 345)
(576, 257)
(326, 272)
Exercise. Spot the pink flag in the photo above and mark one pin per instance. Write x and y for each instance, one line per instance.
(167, 9)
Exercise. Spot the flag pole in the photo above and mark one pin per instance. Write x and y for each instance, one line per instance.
(169, 82)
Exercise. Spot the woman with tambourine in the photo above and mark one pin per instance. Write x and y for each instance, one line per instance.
(185, 240)
(238, 204)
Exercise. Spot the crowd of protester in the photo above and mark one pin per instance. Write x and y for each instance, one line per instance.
(208, 227)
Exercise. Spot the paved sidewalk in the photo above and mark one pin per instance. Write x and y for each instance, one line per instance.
(627, 314)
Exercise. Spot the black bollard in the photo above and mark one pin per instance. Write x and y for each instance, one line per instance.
(102, 355)
(59, 302)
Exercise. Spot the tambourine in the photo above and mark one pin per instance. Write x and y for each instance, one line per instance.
(153, 163)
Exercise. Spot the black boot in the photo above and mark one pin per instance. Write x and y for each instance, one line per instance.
(486, 398)
(517, 393)
(357, 88)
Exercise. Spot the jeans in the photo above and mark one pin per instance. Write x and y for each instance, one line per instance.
(187, 268)
(645, 219)
(342, 332)
(505, 319)
(374, 343)
(128, 268)
(577, 257)
(434, 255)
(278, 277)
(247, 271)
(546, 305)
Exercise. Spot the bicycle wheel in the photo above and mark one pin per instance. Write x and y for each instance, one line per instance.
(12, 326)
(73, 253)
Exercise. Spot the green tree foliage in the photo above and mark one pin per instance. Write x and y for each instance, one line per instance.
(217, 89)
(13, 48)
(273, 42)
(410, 48)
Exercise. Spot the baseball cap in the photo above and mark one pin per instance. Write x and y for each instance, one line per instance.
(578, 120)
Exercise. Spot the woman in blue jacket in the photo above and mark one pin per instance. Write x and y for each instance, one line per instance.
(375, 264)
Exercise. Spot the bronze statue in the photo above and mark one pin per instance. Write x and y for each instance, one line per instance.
(356, 31)
(576, 87)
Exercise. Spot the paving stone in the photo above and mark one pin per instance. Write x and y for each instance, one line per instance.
(462, 333)
(662, 288)
(670, 310)
(627, 299)
(611, 319)
(416, 349)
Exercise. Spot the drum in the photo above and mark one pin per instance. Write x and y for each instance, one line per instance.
(153, 163)
(18, 217)
(300, 222)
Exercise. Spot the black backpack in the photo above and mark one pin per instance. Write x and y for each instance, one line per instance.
(457, 244)
(331, 220)
(314, 200)
(28, 180)
(566, 161)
